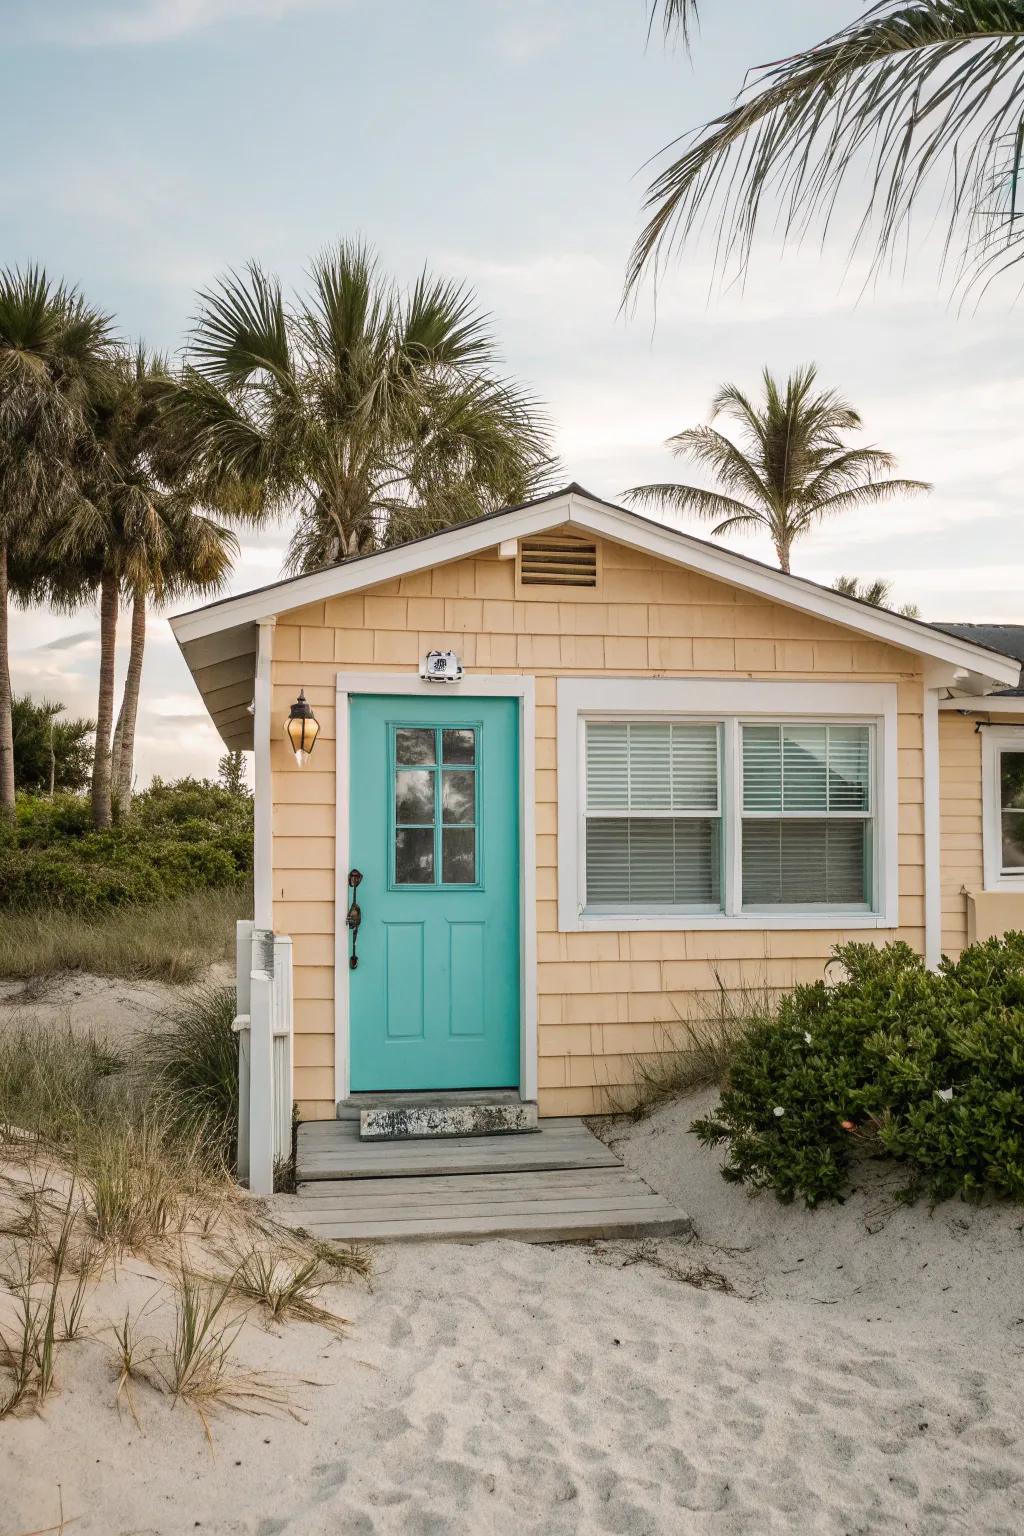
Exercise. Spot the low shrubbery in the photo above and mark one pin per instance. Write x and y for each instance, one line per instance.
(179, 838)
(925, 1067)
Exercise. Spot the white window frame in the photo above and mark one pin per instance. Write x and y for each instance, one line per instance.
(732, 703)
(995, 740)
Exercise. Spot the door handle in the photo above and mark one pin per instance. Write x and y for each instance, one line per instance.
(354, 916)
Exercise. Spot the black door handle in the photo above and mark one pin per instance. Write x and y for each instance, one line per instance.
(354, 915)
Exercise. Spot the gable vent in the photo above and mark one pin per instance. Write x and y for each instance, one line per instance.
(557, 562)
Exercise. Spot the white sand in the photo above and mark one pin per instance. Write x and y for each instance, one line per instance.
(872, 1385)
(116, 1009)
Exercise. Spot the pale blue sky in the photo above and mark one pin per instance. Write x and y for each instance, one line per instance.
(161, 141)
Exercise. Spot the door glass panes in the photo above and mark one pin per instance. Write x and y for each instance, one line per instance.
(458, 796)
(1011, 801)
(415, 746)
(414, 856)
(436, 805)
(458, 746)
(414, 797)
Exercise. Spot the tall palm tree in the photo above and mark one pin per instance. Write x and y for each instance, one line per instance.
(790, 468)
(53, 346)
(925, 96)
(877, 592)
(196, 558)
(372, 414)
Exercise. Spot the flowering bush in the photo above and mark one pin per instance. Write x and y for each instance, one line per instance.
(923, 1066)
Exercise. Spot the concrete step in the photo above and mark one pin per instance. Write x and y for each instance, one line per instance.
(398, 1120)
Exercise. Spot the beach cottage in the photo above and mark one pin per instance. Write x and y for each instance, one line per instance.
(530, 789)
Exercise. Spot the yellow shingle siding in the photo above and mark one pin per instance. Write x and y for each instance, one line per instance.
(603, 998)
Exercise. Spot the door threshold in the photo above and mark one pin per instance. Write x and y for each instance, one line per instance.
(412, 1116)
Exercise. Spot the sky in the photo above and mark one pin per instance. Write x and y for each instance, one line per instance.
(162, 142)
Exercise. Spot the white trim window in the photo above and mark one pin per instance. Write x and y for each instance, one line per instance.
(653, 815)
(776, 809)
(1003, 806)
(807, 831)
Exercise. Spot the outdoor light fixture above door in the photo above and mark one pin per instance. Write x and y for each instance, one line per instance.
(302, 729)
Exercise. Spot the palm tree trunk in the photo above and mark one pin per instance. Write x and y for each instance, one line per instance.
(124, 736)
(782, 555)
(6, 722)
(101, 785)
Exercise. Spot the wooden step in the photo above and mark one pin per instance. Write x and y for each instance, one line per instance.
(398, 1121)
(542, 1206)
(332, 1150)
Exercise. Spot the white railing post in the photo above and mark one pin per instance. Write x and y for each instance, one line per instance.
(261, 1065)
(243, 967)
(282, 1032)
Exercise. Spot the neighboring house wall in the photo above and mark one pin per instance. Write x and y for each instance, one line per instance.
(604, 997)
(974, 905)
(961, 823)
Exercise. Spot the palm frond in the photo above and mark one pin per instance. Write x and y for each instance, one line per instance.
(693, 499)
(241, 331)
(677, 16)
(925, 93)
(872, 493)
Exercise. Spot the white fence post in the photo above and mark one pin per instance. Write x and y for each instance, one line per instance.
(243, 967)
(261, 1064)
(282, 1042)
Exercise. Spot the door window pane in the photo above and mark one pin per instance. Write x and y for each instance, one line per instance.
(458, 745)
(458, 856)
(414, 856)
(414, 796)
(458, 797)
(414, 745)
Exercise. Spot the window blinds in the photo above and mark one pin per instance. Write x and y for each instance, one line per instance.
(652, 834)
(652, 765)
(806, 804)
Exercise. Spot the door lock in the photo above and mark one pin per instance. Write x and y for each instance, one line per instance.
(354, 916)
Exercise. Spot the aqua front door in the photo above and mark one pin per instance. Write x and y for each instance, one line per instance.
(434, 832)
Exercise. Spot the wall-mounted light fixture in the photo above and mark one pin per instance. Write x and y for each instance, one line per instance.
(302, 729)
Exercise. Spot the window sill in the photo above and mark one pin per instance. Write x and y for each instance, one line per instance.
(705, 922)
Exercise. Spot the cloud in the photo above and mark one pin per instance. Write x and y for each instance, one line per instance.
(161, 21)
(70, 642)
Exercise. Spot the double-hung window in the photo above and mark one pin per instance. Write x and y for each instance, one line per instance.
(807, 834)
(653, 815)
(1003, 797)
(733, 817)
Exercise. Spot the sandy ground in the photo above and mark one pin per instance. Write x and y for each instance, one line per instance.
(114, 1009)
(862, 1375)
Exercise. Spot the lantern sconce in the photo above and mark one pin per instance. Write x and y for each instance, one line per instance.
(302, 729)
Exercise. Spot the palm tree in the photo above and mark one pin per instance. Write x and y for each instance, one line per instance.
(372, 414)
(53, 346)
(877, 592)
(925, 95)
(790, 468)
(191, 554)
(196, 559)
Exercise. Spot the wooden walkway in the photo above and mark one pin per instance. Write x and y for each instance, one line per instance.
(558, 1184)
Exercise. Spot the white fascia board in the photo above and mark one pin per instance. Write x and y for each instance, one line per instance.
(679, 549)
(456, 544)
(978, 704)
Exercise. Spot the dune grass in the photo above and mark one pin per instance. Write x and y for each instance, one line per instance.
(698, 1050)
(191, 1058)
(173, 941)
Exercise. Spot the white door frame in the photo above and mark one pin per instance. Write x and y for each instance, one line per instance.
(473, 686)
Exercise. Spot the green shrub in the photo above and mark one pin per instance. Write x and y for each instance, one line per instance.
(926, 1067)
(177, 839)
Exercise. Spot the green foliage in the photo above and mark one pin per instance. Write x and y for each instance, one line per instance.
(180, 838)
(192, 1060)
(231, 773)
(925, 1067)
(49, 753)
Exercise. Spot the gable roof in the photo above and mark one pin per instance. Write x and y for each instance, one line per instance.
(219, 641)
